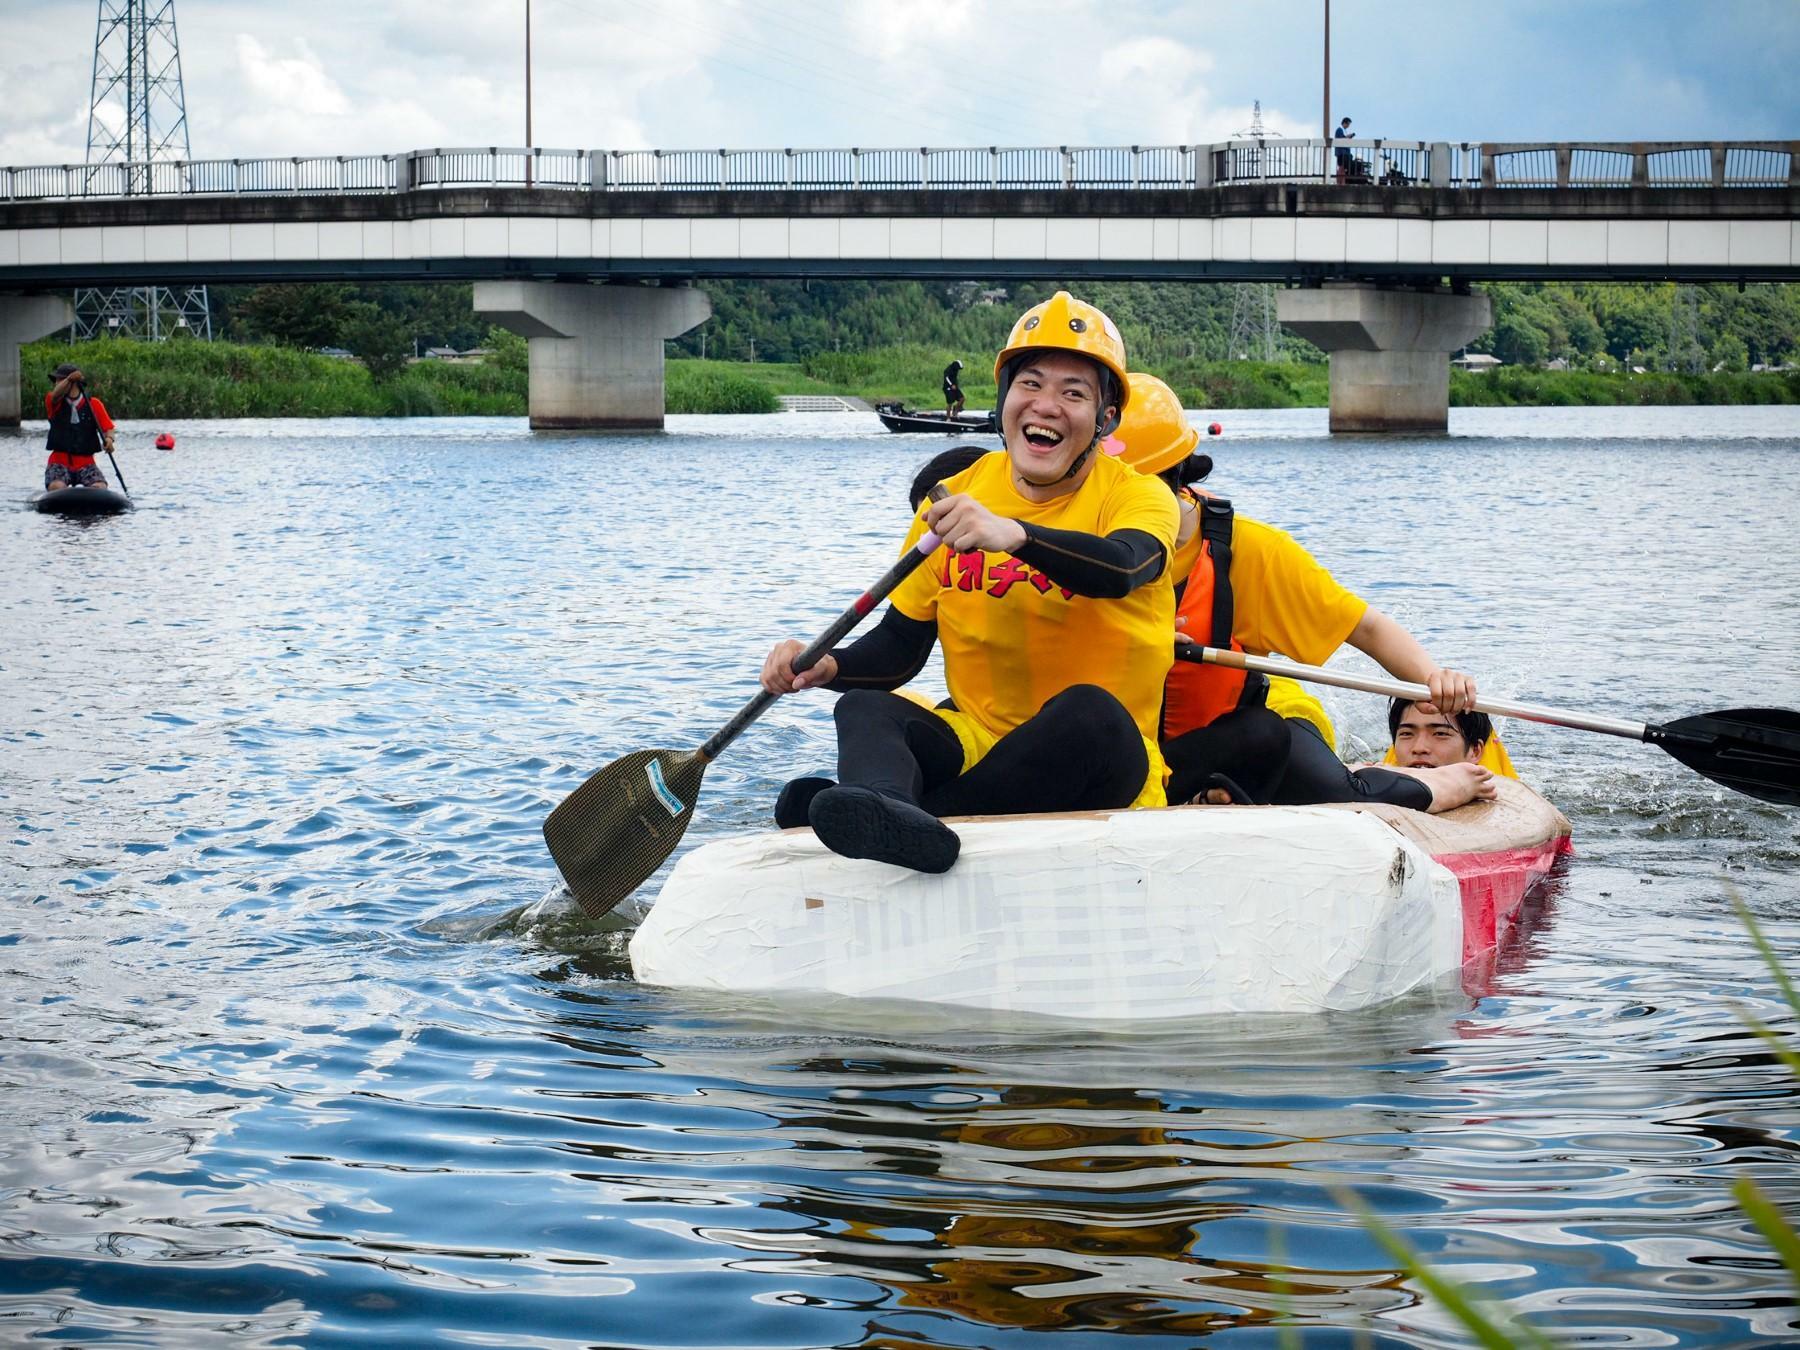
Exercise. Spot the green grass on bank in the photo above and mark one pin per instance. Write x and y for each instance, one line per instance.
(1525, 387)
(221, 379)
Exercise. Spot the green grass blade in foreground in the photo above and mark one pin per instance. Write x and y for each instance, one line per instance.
(1488, 1323)
(1761, 1212)
(1773, 962)
(1770, 1223)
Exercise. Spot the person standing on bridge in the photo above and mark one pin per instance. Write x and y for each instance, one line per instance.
(953, 394)
(79, 429)
(1054, 610)
(1341, 138)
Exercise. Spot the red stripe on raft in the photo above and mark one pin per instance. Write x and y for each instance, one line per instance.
(1494, 885)
(864, 603)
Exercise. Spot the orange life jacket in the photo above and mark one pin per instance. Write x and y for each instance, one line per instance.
(1194, 694)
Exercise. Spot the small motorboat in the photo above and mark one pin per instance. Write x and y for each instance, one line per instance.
(896, 416)
(1187, 911)
(81, 501)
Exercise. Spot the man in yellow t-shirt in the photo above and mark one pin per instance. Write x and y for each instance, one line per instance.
(1280, 600)
(1052, 603)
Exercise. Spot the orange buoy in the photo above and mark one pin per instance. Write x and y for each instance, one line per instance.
(165, 441)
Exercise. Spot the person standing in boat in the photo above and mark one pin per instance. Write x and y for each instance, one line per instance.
(80, 428)
(953, 394)
(1052, 604)
(1243, 585)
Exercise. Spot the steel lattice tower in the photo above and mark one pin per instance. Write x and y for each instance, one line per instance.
(1253, 325)
(137, 116)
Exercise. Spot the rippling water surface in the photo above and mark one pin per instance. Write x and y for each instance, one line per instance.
(274, 753)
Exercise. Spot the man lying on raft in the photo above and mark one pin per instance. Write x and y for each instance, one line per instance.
(1243, 585)
(1052, 604)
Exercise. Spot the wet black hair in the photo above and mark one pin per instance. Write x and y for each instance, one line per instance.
(939, 467)
(1189, 471)
(1477, 728)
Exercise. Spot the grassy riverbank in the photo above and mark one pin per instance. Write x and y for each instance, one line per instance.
(223, 379)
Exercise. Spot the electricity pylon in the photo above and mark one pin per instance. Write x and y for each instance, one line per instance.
(137, 116)
(1253, 325)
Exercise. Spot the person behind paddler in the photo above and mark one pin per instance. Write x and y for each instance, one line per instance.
(1240, 584)
(1052, 604)
(80, 428)
(953, 394)
(1421, 737)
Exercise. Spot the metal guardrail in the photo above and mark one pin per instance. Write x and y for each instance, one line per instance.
(1387, 163)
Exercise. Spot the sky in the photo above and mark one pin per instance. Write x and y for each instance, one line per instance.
(299, 77)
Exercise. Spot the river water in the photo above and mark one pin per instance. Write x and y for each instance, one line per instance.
(274, 753)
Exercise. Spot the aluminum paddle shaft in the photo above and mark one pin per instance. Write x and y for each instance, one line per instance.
(1494, 707)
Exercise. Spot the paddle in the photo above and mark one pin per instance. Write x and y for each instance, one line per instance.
(1755, 751)
(115, 463)
(614, 830)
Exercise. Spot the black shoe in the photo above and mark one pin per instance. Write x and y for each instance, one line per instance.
(792, 806)
(859, 822)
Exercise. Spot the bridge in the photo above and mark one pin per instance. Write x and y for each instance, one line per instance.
(1382, 249)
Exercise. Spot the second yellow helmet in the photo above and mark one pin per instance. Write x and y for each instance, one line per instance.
(1154, 429)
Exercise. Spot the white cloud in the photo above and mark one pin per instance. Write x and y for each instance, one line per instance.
(295, 86)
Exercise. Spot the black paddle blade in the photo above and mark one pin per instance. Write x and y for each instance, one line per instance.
(614, 830)
(1755, 751)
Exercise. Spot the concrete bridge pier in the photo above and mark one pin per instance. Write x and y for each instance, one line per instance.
(596, 351)
(1389, 348)
(25, 318)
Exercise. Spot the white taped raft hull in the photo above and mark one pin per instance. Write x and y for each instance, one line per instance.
(1181, 912)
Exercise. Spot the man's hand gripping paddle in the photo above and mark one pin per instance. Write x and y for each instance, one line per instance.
(1755, 751)
(616, 829)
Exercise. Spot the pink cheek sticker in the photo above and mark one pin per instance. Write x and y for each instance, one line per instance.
(1112, 445)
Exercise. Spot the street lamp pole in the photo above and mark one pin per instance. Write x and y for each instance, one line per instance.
(528, 93)
(1327, 155)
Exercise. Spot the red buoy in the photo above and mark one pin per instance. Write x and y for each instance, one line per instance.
(165, 441)
(1214, 429)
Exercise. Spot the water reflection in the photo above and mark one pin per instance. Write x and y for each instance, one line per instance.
(277, 1068)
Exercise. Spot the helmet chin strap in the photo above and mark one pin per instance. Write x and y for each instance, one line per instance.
(1100, 434)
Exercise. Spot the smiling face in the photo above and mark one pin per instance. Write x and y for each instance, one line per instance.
(1430, 740)
(1051, 411)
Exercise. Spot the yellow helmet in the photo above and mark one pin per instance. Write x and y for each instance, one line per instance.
(1155, 432)
(1066, 324)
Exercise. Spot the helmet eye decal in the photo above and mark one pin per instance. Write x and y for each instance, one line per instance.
(1078, 325)
(1031, 323)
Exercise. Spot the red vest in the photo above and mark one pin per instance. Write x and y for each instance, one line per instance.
(1195, 694)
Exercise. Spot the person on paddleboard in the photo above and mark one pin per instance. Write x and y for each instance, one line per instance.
(953, 394)
(1231, 735)
(1052, 605)
(80, 428)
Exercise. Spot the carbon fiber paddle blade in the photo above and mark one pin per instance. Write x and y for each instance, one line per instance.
(614, 830)
(1753, 750)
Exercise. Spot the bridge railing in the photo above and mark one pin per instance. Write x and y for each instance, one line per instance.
(1660, 164)
(1387, 163)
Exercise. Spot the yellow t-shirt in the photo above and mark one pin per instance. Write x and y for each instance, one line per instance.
(1012, 639)
(1493, 758)
(1283, 604)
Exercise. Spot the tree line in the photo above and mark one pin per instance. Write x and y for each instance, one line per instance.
(1591, 326)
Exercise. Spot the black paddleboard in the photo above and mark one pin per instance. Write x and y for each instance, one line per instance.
(81, 501)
